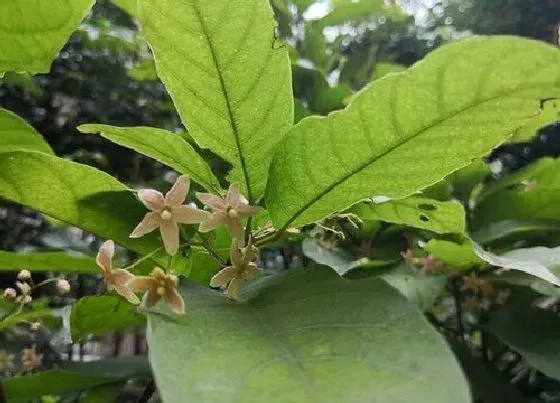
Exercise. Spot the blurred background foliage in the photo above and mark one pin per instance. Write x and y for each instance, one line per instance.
(105, 74)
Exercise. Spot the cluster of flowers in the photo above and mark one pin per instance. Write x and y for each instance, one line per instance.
(25, 285)
(166, 213)
(29, 361)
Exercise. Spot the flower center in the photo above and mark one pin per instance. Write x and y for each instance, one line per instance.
(232, 213)
(166, 215)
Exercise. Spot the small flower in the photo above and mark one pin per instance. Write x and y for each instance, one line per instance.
(23, 287)
(408, 257)
(159, 285)
(30, 360)
(35, 326)
(115, 279)
(229, 210)
(429, 264)
(63, 286)
(23, 299)
(6, 360)
(9, 294)
(242, 268)
(24, 275)
(166, 212)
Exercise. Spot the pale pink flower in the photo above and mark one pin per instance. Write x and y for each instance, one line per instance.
(159, 285)
(6, 360)
(115, 279)
(243, 268)
(9, 294)
(168, 211)
(229, 211)
(30, 360)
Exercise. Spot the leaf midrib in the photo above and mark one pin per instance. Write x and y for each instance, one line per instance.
(370, 161)
(234, 127)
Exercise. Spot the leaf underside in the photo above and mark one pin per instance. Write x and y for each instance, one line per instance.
(396, 137)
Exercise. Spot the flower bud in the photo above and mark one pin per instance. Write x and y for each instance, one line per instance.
(9, 294)
(35, 326)
(24, 275)
(63, 286)
(23, 287)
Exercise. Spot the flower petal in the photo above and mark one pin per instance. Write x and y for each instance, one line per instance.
(233, 288)
(152, 298)
(150, 222)
(170, 236)
(105, 255)
(178, 193)
(235, 254)
(251, 271)
(233, 197)
(214, 222)
(236, 229)
(141, 283)
(245, 211)
(174, 300)
(188, 215)
(211, 201)
(224, 276)
(152, 199)
(120, 280)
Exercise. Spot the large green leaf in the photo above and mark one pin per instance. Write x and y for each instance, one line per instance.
(164, 146)
(228, 76)
(533, 333)
(304, 336)
(76, 194)
(395, 137)
(532, 193)
(417, 212)
(16, 133)
(33, 31)
(101, 314)
(48, 261)
(74, 376)
(538, 261)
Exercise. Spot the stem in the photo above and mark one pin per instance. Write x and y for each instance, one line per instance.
(145, 257)
(248, 230)
(206, 245)
(458, 309)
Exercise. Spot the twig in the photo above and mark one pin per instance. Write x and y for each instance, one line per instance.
(458, 308)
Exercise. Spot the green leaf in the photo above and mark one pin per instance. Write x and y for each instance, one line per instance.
(76, 194)
(457, 255)
(352, 10)
(529, 194)
(48, 261)
(533, 333)
(162, 145)
(421, 289)
(439, 217)
(32, 32)
(338, 260)
(101, 314)
(74, 377)
(517, 278)
(537, 261)
(383, 68)
(394, 138)
(16, 133)
(509, 231)
(228, 77)
(304, 336)
(143, 71)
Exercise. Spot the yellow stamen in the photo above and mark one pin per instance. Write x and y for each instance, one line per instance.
(166, 215)
(232, 213)
(160, 291)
